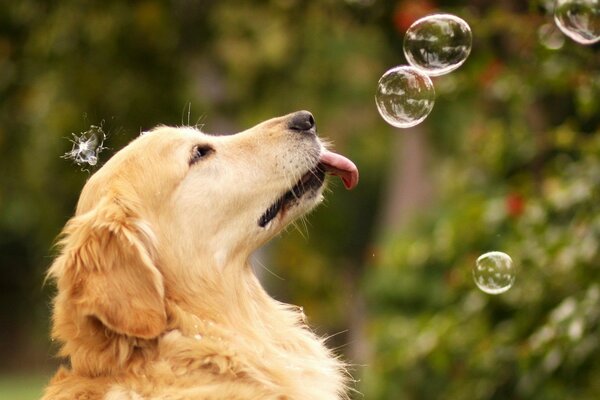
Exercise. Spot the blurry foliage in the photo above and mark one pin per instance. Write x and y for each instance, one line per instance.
(513, 147)
(433, 332)
(516, 169)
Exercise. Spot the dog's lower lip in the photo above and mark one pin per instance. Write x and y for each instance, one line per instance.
(313, 179)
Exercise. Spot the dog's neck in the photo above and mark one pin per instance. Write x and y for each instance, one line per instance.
(271, 336)
(235, 300)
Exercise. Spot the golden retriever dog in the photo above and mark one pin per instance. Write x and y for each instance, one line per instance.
(156, 298)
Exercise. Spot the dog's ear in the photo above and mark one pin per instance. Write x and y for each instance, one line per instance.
(106, 271)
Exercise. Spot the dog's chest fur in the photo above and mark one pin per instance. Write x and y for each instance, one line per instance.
(202, 359)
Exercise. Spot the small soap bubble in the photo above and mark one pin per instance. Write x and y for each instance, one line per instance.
(87, 146)
(438, 44)
(494, 272)
(579, 19)
(550, 37)
(405, 96)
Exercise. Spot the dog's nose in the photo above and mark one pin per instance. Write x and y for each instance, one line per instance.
(301, 121)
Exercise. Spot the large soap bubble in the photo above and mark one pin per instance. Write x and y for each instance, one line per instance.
(579, 19)
(405, 96)
(438, 44)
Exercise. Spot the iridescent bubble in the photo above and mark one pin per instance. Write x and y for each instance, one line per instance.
(438, 44)
(87, 146)
(579, 19)
(405, 96)
(494, 272)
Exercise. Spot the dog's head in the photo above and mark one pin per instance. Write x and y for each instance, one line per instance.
(176, 200)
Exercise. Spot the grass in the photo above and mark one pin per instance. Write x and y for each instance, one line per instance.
(22, 387)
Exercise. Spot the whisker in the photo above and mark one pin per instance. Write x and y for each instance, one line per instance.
(297, 227)
(263, 266)
(199, 124)
(189, 108)
(305, 223)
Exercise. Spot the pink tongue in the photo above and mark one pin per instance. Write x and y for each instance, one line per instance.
(339, 165)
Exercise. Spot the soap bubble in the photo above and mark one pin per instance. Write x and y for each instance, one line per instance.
(437, 44)
(405, 96)
(494, 272)
(87, 146)
(579, 19)
(550, 37)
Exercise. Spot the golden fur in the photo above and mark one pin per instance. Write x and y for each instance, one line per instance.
(156, 299)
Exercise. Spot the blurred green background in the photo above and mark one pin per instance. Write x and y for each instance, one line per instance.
(508, 160)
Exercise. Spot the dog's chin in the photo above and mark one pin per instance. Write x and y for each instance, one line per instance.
(306, 193)
(299, 199)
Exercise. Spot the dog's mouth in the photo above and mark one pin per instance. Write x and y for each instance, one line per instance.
(311, 181)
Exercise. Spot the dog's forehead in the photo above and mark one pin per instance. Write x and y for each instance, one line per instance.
(165, 135)
(164, 141)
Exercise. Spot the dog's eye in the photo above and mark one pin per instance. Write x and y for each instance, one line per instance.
(200, 151)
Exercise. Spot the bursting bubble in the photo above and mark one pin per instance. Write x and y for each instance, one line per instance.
(438, 44)
(405, 96)
(494, 272)
(579, 19)
(87, 146)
